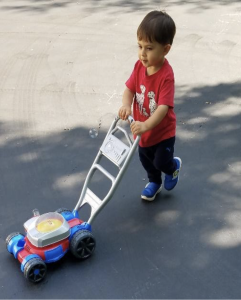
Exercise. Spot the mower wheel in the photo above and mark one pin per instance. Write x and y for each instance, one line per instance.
(35, 270)
(82, 244)
(10, 236)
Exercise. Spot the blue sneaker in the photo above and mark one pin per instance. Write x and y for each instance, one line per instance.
(150, 191)
(171, 180)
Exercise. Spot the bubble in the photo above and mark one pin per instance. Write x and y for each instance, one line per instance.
(36, 212)
(93, 133)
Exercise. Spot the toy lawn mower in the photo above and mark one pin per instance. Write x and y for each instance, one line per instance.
(48, 237)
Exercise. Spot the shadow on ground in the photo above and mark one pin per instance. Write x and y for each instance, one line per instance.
(43, 6)
(183, 245)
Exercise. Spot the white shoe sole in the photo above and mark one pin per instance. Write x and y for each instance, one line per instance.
(180, 161)
(152, 198)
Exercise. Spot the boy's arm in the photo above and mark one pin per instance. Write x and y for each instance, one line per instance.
(141, 127)
(127, 100)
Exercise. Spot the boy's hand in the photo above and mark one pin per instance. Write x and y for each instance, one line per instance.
(124, 112)
(138, 128)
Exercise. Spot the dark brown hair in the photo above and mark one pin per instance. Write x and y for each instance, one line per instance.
(157, 26)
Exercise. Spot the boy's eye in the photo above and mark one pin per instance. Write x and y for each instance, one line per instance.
(149, 48)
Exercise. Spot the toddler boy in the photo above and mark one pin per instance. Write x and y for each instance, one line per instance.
(150, 89)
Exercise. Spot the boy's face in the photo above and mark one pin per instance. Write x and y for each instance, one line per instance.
(152, 54)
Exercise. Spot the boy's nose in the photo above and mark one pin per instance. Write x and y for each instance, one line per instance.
(143, 52)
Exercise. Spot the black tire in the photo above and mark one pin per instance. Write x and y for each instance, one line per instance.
(10, 236)
(82, 244)
(62, 209)
(35, 270)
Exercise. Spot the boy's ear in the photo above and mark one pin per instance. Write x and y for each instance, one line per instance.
(167, 48)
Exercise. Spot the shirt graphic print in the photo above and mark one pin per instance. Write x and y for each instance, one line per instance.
(140, 98)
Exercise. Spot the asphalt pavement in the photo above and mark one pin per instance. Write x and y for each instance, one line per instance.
(63, 67)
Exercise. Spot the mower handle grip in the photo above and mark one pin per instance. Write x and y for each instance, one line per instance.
(131, 119)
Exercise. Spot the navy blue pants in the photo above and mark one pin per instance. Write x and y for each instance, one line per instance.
(157, 159)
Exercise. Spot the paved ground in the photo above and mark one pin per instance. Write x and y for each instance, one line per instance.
(63, 65)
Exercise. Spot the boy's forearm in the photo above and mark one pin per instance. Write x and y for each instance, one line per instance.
(157, 117)
(127, 97)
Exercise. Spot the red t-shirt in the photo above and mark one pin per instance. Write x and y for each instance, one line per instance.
(151, 91)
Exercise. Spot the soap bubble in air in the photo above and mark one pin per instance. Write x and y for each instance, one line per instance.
(93, 133)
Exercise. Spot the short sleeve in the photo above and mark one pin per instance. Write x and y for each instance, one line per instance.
(166, 93)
